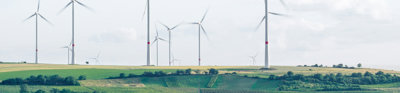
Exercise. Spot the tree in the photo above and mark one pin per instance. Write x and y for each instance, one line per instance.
(148, 74)
(65, 91)
(271, 77)
(82, 77)
(213, 71)
(122, 75)
(340, 66)
(318, 76)
(290, 73)
(23, 88)
(188, 71)
(54, 90)
(368, 74)
(359, 65)
(379, 73)
(339, 75)
(71, 81)
(40, 91)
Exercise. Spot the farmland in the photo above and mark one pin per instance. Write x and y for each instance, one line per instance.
(242, 82)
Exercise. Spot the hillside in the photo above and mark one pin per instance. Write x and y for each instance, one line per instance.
(241, 83)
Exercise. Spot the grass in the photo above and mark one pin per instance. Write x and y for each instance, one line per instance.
(92, 74)
(194, 81)
(244, 83)
(23, 67)
(388, 85)
(173, 84)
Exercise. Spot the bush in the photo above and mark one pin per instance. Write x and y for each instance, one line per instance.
(213, 71)
(40, 91)
(42, 80)
(122, 75)
(234, 73)
(23, 88)
(82, 77)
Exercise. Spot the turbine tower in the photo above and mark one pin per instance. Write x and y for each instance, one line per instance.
(267, 65)
(72, 3)
(147, 10)
(169, 29)
(68, 50)
(37, 14)
(201, 28)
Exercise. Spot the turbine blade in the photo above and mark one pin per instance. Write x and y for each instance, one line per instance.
(176, 26)
(284, 4)
(278, 14)
(65, 7)
(38, 6)
(165, 26)
(204, 31)
(91, 9)
(45, 19)
(157, 33)
(98, 55)
(144, 12)
(162, 39)
(155, 40)
(29, 17)
(204, 16)
(259, 24)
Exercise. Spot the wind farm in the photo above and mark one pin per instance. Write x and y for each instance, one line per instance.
(192, 46)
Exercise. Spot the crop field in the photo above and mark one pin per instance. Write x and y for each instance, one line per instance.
(96, 78)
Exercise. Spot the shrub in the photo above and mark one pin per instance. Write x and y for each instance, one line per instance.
(213, 71)
(82, 77)
(23, 88)
(122, 75)
(40, 91)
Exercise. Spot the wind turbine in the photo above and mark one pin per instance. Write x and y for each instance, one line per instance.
(147, 10)
(169, 29)
(68, 49)
(265, 18)
(253, 58)
(156, 40)
(201, 28)
(37, 14)
(96, 59)
(72, 4)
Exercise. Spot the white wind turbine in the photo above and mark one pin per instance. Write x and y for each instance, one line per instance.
(201, 28)
(253, 58)
(156, 40)
(37, 14)
(265, 18)
(72, 3)
(68, 50)
(96, 59)
(147, 10)
(169, 29)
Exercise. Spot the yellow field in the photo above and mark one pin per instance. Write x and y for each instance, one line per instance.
(22, 67)
(239, 69)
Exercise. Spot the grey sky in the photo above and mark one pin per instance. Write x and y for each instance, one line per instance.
(318, 31)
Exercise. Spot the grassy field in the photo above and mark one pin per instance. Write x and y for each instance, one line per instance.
(93, 74)
(172, 84)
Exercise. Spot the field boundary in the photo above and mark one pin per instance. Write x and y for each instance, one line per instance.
(212, 81)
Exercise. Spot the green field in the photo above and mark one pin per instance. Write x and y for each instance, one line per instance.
(173, 84)
(93, 74)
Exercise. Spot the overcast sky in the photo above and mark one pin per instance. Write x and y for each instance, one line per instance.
(317, 31)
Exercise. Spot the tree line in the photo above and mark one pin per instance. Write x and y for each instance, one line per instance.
(189, 71)
(43, 80)
(332, 81)
(359, 65)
